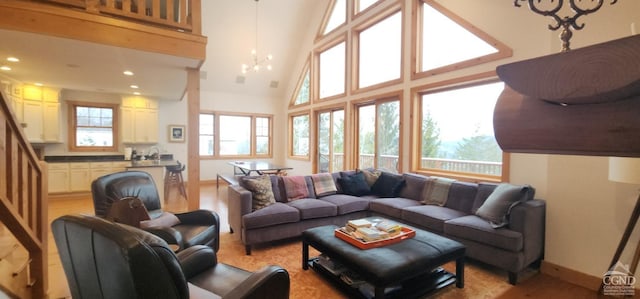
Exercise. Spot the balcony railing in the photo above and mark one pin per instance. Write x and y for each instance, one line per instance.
(178, 14)
(390, 162)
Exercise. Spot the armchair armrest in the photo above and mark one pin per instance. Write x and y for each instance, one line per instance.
(268, 282)
(199, 217)
(196, 259)
(167, 234)
(240, 200)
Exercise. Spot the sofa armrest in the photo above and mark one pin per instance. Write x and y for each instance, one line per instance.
(528, 218)
(268, 282)
(240, 203)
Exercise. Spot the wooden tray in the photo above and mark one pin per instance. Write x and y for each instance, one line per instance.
(406, 233)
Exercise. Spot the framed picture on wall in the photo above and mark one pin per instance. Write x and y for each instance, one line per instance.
(176, 133)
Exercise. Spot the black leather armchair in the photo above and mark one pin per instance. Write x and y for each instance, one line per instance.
(104, 260)
(200, 227)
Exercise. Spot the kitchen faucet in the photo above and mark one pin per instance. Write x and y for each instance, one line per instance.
(154, 153)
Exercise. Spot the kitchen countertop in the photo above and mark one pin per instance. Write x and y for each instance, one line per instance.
(152, 163)
(98, 158)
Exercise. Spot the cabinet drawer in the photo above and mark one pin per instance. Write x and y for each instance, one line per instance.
(99, 165)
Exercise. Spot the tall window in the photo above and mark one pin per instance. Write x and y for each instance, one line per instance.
(302, 94)
(457, 131)
(235, 135)
(299, 128)
(332, 71)
(336, 16)
(330, 141)
(93, 127)
(379, 135)
(380, 51)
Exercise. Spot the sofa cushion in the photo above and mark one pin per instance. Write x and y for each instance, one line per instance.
(484, 190)
(412, 188)
(261, 191)
(347, 203)
(310, 208)
(499, 204)
(436, 191)
(277, 213)
(295, 187)
(323, 184)
(474, 228)
(391, 206)
(354, 184)
(388, 185)
(431, 217)
(461, 196)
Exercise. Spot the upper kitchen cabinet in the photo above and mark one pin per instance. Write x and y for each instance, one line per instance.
(139, 120)
(39, 113)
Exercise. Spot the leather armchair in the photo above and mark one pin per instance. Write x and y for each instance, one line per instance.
(104, 260)
(200, 227)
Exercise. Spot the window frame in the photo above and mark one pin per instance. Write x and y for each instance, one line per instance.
(252, 138)
(315, 78)
(376, 101)
(73, 126)
(306, 69)
(416, 129)
(355, 49)
(290, 144)
(316, 118)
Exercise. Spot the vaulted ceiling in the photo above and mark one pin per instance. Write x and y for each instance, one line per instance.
(230, 27)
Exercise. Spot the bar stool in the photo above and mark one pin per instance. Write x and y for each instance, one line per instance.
(173, 177)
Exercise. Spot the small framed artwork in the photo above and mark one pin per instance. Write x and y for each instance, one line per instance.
(176, 133)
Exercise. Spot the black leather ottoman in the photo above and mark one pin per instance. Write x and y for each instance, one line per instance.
(408, 269)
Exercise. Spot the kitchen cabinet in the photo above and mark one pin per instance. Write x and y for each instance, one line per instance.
(139, 121)
(79, 177)
(40, 113)
(58, 177)
(99, 169)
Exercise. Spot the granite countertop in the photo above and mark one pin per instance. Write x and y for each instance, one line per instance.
(165, 160)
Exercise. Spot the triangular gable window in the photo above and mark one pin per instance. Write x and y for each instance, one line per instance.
(449, 42)
(302, 94)
(335, 16)
(364, 4)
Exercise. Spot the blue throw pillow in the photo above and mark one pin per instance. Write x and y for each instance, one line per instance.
(354, 184)
(388, 185)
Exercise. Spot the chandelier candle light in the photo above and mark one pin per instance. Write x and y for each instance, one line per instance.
(256, 64)
(548, 8)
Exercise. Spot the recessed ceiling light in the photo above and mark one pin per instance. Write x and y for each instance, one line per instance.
(13, 59)
(128, 73)
(136, 93)
(134, 86)
(5, 68)
(37, 84)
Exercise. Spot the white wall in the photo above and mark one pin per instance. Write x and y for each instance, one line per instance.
(586, 213)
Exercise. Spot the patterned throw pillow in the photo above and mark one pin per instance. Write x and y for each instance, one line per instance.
(261, 192)
(295, 187)
(323, 184)
(370, 176)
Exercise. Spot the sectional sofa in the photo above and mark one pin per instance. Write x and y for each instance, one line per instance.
(512, 245)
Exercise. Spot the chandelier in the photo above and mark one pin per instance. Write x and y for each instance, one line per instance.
(566, 23)
(257, 63)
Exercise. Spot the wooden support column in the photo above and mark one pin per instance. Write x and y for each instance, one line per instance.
(193, 159)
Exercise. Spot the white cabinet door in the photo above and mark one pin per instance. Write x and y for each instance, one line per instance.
(51, 119)
(127, 125)
(33, 120)
(58, 179)
(146, 125)
(79, 177)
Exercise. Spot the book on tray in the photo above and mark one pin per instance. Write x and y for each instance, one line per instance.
(372, 231)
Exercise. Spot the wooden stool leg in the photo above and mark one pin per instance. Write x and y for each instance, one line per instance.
(167, 185)
(183, 191)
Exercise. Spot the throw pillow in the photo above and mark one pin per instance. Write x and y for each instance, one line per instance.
(498, 205)
(354, 184)
(436, 191)
(295, 187)
(323, 184)
(165, 219)
(261, 192)
(370, 176)
(387, 185)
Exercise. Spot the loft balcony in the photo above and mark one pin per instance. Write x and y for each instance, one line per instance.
(171, 27)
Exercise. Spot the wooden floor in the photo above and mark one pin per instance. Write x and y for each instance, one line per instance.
(481, 281)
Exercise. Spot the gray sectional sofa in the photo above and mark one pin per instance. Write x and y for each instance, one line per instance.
(513, 247)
